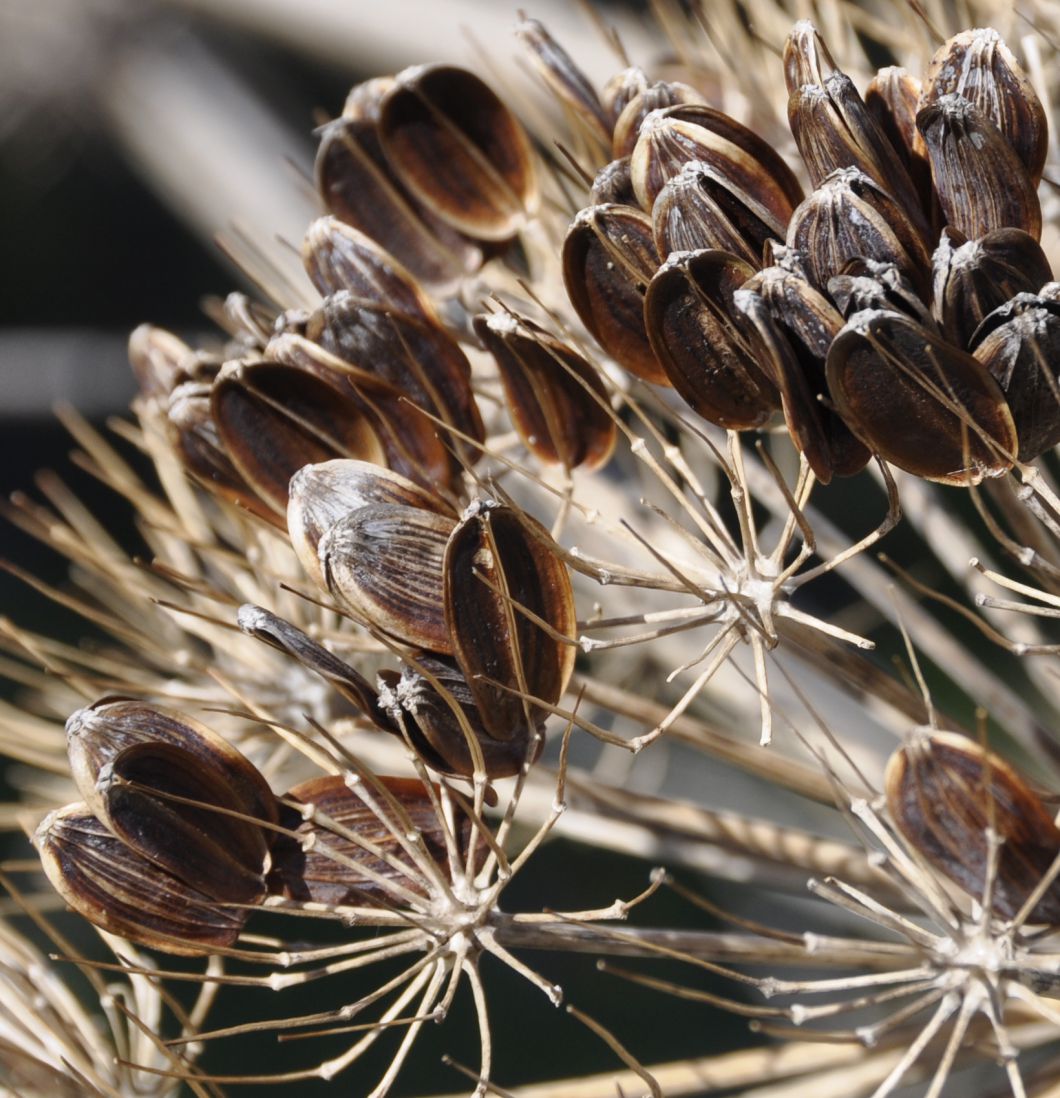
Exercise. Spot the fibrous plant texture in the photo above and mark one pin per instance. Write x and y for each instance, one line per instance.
(553, 504)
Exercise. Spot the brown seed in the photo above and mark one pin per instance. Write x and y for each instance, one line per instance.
(321, 495)
(849, 217)
(459, 150)
(792, 327)
(979, 67)
(157, 358)
(620, 91)
(613, 185)
(419, 359)
(866, 284)
(944, 793)
(609, 258)
(698, 335)
(384, 561)
(358, 186)
(434, 704)
(557, 402)
(973, 278)
(339, 257)
(115, 888)
(806, 58)
(345, 851)
(273, 419)
(647, 99)
(702, 207)
(1019, 343)
(981, 182)
(918, 401)
(508, 606)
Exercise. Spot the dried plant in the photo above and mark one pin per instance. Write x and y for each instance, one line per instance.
(529, 515)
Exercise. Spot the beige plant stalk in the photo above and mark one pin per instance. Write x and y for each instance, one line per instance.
(832, 771)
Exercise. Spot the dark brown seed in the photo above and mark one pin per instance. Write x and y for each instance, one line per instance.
(274, 419)
(702, 207)
(806, 58)
(981, 182)
(321, 495)
(979, 67)
(849, 216)
(115, 888)
(385, 562)
(945, 793)
(459, 149)
(347, 852)
(792, 327)
(892, 99)
(358, 187)
(1019, 344)
(918, 401)
(649, 98)
(557, 402)
(973, 278)
(435, 705)
(419, 359)
(613, 185)
(866, 284)
(339, 257)
(609, 258)
(509, 606)
(670, 139)
(698, 335)
(283, 636)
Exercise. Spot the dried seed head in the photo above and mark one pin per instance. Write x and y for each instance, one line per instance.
(510, 612)
(1019, 343)
(918, 401)
(384, 561)
(273, 419)
(321, 495)
(459, 150)
(609, 258)
(973, 278)
(981, 182)
(979, 67)
(557, 402)
(117, 889)
(944, 793)
(350, 849)
(698, 335)
(849, 216)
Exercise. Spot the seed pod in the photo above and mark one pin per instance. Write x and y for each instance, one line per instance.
(621, 90)
(459, 150)
(205, 456)
(918, 401)
(384, 561)
(157, 358)
(409, 440)
(609, 258)
(981, 182)
(321, 495)
(564, 79)
(419, 359)
(1019, 343)
(349, 849)
(650, 98)
(806, 58)
(944, 793)
(613, 185)
(671, 138)
(849, 216)
(697, 334)
(358, 187)
(892, 99)
(508, 605)
(274, 419)
(979, 67)
(973, 278)
(792, 326)
(339, 257)
(704, 208)
(866, 284)
(434, 704)
(117, 889)
(557, 402)
(282, 635)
